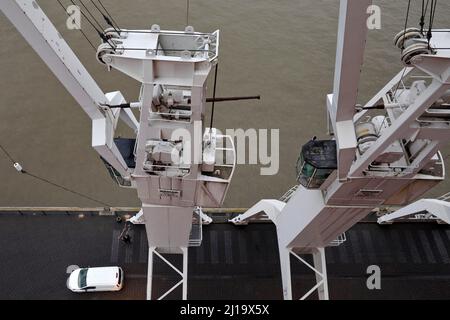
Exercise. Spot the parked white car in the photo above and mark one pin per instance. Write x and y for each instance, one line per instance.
(96, 279)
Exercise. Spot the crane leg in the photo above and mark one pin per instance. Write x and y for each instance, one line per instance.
(319, 268)
(183, 282)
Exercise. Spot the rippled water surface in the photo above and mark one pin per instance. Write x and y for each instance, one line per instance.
(283, 50)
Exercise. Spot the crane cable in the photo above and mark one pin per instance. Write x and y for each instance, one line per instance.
(187, 12)
(403, 45)
(430, 27)
(100, 32)
(107, 17)
(406, 25)
(422, 17)
(19, 168)
(91, 15)
(79, 27)
(403, 48)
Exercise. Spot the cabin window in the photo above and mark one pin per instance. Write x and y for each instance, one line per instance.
(316, 162)
(82, 278)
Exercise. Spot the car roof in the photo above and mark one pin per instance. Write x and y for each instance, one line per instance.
(102, 276)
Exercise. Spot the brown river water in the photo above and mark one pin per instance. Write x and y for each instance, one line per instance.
(283, 50)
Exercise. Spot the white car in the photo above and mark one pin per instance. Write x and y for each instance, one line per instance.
(96, 279)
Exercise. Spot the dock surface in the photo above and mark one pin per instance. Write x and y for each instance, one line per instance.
(232, 263)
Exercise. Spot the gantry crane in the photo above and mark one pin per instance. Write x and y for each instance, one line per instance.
(175, 164)
(384, 153)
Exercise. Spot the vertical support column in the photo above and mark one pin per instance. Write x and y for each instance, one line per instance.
(185, 272)
(319, 269)
(320, 265)
(285, 263)
(150, 272)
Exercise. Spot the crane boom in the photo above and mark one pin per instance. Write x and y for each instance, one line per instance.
(44, 38)
(352, 34)
(175, 165)
(41, 34)
(386, 153)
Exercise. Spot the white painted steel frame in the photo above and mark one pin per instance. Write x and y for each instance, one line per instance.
(351, 42)
(319, 269)
(438, 208)
(184, 273)
(41, 34)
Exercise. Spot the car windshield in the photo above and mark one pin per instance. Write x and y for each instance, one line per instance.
(82, 278)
